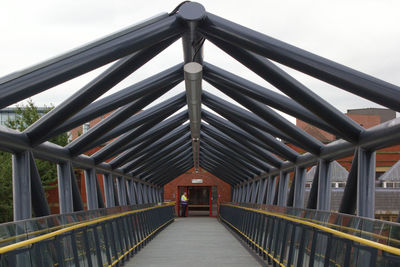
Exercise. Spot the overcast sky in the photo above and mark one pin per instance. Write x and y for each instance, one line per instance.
(364, 35)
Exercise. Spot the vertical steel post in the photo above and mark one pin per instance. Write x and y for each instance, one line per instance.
(240, 193)
(299, 187)
(91, 189)
(129, 191)
(121, 191)
(324, 186)
(65, 199)
(139, 192)
(271, 190)
(154, 191)
(248, 192)
(234, 197)
(263, 191)
(21, 177)
(150, 194)
(254, 194)
(366, 183)
(109, 190)
(283, 188)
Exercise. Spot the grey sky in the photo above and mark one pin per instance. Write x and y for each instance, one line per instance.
(364, 35)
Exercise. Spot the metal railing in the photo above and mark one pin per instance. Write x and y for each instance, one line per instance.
(105, 237)
(288, 240)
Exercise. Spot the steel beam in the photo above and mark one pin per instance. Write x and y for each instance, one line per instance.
(76, 193)
(121, 189)
(135, 92)
(65, 198)
(331, 72)
(220, 77)
(86, 141)
(235, 146)
(192, 13)
(193, 76)
(305, 140)
(271, 190)
(228, 167)
(21, 170)
(26, 83)
(146, 134)
(349, 200)
(155, 154)
(366, 183)
(14, 141)
(91, 189)
(324, 185)
(299, 187)
(313, 196)
(348, 129)
(227, 154)
(283, 188)
(98, 86)
(290, 198)
(242, 138)
(135, 126)
(241, 117)
(109, 190)
(262, 193)
(139, 193)
(155, 145)
(221, 173)
(271, 143)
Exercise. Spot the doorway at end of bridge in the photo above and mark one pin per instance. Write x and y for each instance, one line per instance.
(202, 200)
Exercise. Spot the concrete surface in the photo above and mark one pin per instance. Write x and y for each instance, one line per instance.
(192, 242)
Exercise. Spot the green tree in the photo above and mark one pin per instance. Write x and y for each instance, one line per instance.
(25, 116)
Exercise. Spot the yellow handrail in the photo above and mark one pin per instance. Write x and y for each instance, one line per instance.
(357, 239)
(31, 241)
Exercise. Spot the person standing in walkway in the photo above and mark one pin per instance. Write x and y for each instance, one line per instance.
(184, 204)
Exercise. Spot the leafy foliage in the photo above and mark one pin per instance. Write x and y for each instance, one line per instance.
(25, 116)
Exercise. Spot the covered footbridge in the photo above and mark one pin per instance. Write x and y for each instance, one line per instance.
(247, 145)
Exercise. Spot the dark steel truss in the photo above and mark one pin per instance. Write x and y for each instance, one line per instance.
(146, 150)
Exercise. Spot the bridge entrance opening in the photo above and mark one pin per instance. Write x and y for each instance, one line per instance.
(202, 200)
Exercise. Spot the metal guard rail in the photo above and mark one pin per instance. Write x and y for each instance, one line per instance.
(104, 241)
(285, 240)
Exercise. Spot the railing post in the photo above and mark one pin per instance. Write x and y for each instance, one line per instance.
(299, 187)
(283, 188)
(65, 187)
(91, 189)
(21, 178)
(366, 183)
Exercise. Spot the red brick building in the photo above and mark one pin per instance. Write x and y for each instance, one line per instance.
(205, 191)
(367, 118)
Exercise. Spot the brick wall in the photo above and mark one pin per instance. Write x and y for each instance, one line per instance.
(223, 189)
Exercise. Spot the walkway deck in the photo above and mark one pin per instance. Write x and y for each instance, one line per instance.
(192, 242)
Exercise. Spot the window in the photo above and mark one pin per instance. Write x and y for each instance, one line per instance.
(85, 127)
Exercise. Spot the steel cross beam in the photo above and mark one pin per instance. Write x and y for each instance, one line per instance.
(220, 77)
(121, 98)
(146, 139)
(23, 84)
(105, 81)
(353, 81)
